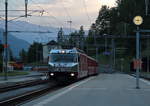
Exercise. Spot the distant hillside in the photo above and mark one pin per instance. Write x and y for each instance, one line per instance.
(31, 37)
(23, 39)
(15, 44)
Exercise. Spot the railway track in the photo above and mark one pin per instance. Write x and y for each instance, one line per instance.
(22, 84)
(22, 98)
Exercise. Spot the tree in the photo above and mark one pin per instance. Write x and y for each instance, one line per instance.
(119, 21)
(23, 56)
(11, 58)
(1, 48)
(81, 37)
(81, 31)
(102, 22)
(73, 39)
(92, 30)
(35, 52)
(60, 37)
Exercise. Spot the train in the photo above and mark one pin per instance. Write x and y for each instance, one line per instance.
(70, 64)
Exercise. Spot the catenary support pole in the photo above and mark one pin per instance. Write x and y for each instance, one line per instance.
(6, 39)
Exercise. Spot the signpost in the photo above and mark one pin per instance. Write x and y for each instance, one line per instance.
(138, 20)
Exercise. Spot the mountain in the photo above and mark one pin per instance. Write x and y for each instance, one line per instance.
(30, 32)
(22, 34)
(15, 44)
(23, 37)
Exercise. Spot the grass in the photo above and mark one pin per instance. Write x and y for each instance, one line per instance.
(15, 73)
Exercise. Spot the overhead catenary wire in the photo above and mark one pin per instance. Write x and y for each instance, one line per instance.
(22, 17)
(44, 11)
(86, 11)
(66, 10)
(52, 16)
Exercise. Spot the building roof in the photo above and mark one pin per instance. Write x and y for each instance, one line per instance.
(52, 43)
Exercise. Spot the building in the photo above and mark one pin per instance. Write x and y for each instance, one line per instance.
(47, 47)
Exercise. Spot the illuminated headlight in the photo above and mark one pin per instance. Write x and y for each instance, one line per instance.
(72, 74)
(51, 74)
(62, 51)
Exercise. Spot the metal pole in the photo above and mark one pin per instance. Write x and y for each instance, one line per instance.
(105, 43)
(122, 61)
(96, 53)
(26, 8)
(114, 54)
(70, 22)
(6, 39)
(137, 56)
(96, 49)
(36, 46)
(148, 56)
(148, 64)
(146, 7)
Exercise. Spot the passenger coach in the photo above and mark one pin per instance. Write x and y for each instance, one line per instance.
(70, 64)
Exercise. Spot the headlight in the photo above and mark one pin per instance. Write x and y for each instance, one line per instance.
(51, 74)
(72, 74)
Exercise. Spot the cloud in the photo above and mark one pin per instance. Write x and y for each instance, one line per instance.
(76, 9)
(62, 10)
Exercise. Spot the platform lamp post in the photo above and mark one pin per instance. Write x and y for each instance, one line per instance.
(138, 20)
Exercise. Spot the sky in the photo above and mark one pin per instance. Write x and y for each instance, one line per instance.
(58, 12)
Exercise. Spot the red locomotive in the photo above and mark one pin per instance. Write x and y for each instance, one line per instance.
(69, 64)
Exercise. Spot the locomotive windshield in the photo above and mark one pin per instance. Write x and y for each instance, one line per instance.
(63, 58)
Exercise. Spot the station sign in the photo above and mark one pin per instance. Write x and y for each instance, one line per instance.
(5, 46)
(137, 64)
(106, 53)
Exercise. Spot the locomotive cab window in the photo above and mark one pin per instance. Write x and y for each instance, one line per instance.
(63, 58)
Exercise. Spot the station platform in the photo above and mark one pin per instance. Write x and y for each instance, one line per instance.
(102, 90)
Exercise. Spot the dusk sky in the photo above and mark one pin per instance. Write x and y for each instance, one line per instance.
(58, 12)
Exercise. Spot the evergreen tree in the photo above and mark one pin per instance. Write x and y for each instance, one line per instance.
(11, 58)
(23, 56)
(60, 37)
(81, 37)
(103, 21)
(119, 21)
(35, 52)
(73, 39)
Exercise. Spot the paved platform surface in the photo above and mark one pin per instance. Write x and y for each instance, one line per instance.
(103, 90)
